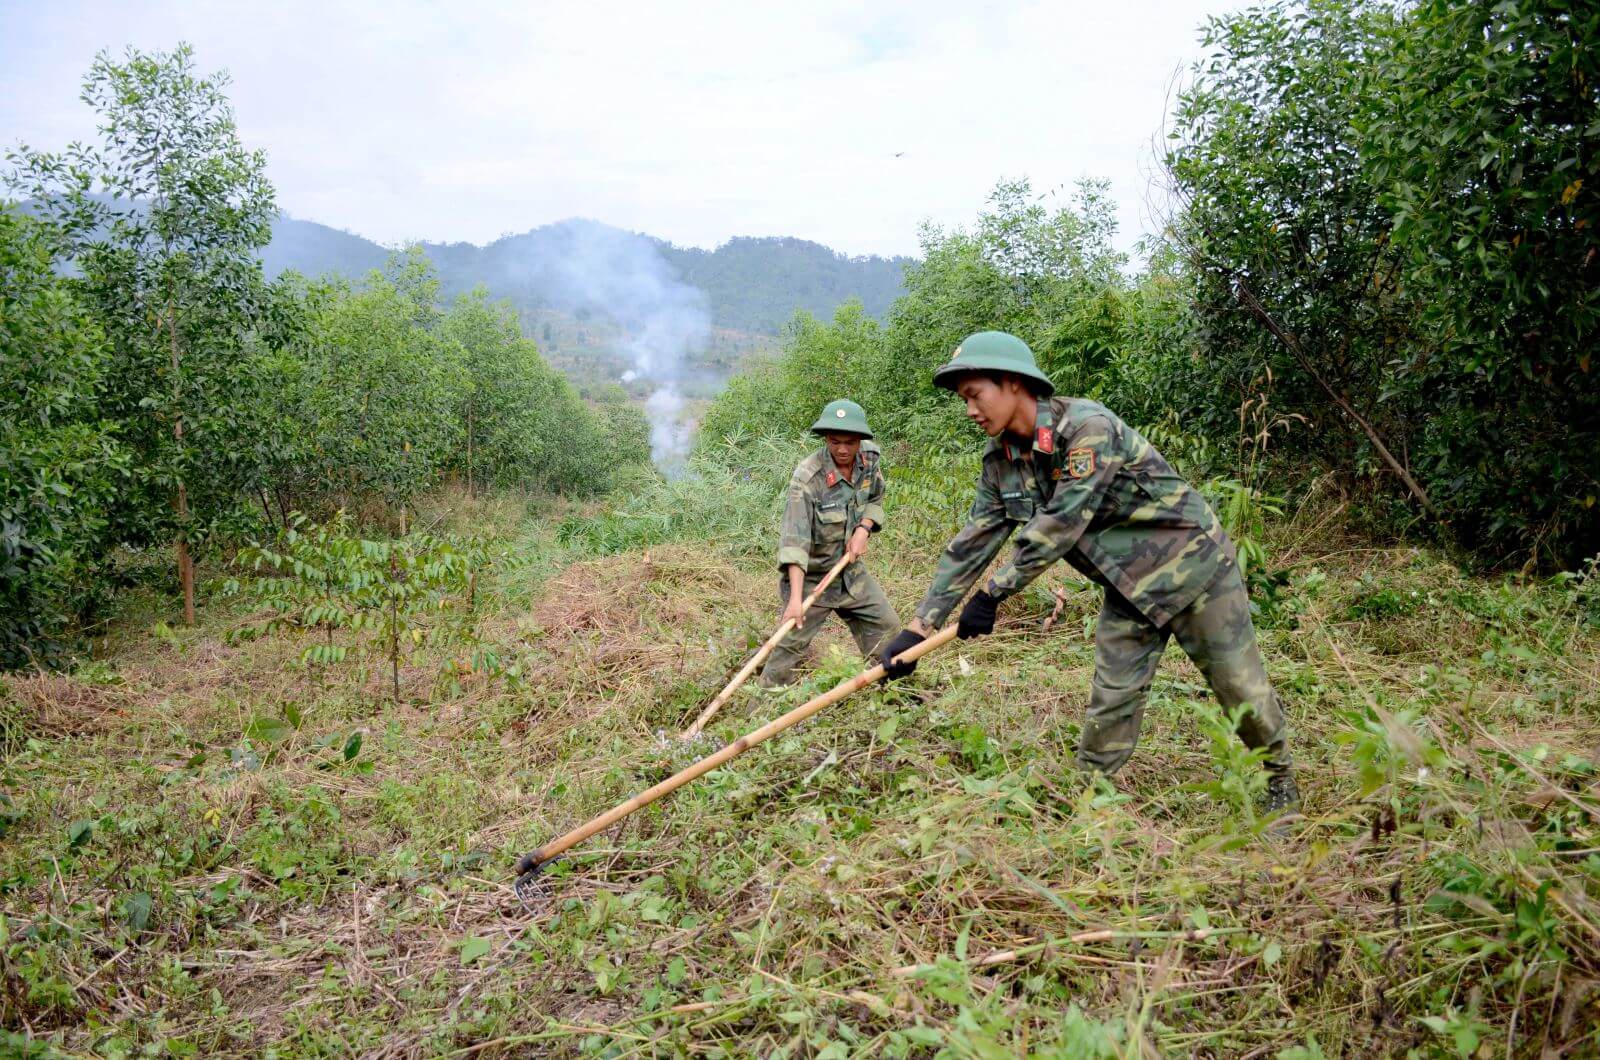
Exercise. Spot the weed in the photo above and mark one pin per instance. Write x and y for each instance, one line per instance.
(220, 848)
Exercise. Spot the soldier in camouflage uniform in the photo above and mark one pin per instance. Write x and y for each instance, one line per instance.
(835, 505)
(1085, 487)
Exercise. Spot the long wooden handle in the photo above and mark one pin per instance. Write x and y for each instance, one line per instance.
(766, 649)
(733, 750)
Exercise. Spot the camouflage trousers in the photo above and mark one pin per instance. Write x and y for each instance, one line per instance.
(860, 602)
(1216, 632)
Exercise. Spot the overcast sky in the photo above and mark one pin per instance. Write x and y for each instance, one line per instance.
(846, 123)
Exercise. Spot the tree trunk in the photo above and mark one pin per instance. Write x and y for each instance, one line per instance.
(394, 626)
(1247, 298)
(185, 561)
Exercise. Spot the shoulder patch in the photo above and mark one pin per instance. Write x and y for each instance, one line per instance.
(814, 466)
(1080, 462)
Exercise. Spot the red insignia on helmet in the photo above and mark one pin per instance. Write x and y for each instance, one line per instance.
(1045, 440)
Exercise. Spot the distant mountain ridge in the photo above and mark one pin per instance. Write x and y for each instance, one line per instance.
(751, 284)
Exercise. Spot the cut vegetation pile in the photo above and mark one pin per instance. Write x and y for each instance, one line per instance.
(221, 849)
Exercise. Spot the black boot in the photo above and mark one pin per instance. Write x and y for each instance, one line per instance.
(1282, 803)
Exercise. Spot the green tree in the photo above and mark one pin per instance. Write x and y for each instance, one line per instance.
(163, 220)
(1295, 287)
(1483, 140)
(524, 425)
(375, 390)
(1051, 276)
(1386, 215)
(61, 466)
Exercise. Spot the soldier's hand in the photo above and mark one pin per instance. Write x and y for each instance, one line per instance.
(793, 612)
(977, 618)
(893, 671)
(858, 542)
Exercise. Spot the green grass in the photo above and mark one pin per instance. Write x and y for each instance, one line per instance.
(209, 849)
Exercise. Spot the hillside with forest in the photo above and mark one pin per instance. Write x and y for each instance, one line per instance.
(752, 286)
(326, 604)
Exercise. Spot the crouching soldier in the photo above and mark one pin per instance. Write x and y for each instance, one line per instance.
(1085, 487)
(835, 506)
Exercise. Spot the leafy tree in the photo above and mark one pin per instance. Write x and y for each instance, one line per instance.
(1483, 140)
(1296, 290)
(163, 221)
(523, 424)
(61, 464)
(1050, 276)
(323, 579)
(1386, 215)
(378, 395)
(374, 389)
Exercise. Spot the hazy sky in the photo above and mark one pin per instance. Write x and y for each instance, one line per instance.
(846, 123)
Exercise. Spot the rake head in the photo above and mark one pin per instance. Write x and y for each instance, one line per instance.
(532, 892)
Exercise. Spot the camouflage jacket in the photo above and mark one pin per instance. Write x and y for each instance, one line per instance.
(825, 507)
(1094, 492)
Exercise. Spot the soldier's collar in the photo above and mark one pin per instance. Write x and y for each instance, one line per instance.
(830, 471)
(1044, 428)
(1044, 432)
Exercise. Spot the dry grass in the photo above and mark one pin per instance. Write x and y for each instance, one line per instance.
(57, 705)
(916, 869)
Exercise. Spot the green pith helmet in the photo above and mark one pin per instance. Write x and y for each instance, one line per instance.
(842, 417)
(993, 351)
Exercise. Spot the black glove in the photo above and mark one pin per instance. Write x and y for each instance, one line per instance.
(977, 618)
(902, 640)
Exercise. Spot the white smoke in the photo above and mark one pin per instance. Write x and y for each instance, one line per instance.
(590, 268)
(669, 430)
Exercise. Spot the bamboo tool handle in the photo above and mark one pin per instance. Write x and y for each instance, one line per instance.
(765, 650)
(532, 861)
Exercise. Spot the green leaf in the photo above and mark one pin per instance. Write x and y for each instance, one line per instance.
(136, 911)
(79, 833)
(267, 729)
(352, 746)
(474, 948)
